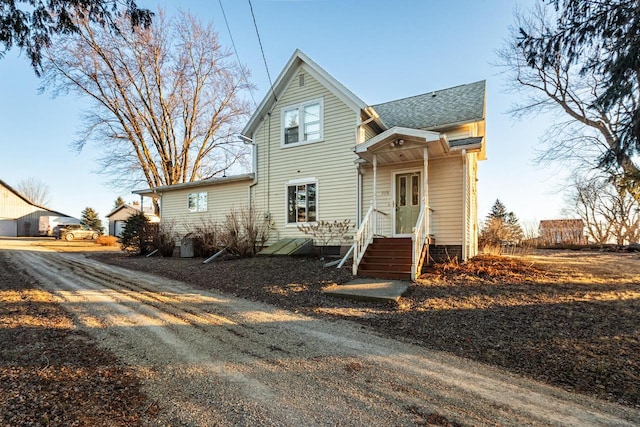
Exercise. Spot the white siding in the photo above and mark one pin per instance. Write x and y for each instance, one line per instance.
(330, 162)
(445, 195)
(221, 199)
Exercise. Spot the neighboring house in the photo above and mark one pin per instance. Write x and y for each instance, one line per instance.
(19, 216)
(562, 231)
(405, 169)
(119, 216)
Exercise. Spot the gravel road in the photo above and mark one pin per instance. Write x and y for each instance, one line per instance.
(211, 359)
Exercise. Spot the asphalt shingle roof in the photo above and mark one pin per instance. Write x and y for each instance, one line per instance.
(434, 109)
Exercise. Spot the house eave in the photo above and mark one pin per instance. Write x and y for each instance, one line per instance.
(157, 191)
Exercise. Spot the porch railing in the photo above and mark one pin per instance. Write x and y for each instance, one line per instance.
(372, 222)
(420, 235)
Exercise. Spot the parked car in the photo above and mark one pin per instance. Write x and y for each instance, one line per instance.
(74, 231)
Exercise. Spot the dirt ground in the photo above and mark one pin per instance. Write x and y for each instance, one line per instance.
(565, 318)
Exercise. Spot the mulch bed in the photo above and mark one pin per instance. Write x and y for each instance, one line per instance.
(497, 310)
(51, 374)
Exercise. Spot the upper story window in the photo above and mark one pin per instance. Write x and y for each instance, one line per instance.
(198, 202)
(303, 123)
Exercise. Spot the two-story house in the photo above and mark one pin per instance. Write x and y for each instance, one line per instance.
(404, 172)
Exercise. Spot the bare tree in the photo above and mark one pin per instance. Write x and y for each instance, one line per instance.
(166, 101)
(585, 133)
(608, 210)
(585, 202)
(36, 190)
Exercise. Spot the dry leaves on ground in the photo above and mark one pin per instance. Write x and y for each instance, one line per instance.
(509, 312)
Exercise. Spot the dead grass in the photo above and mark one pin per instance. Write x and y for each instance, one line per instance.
(107, 241)
(566, 318)
(52, 374)
(76, 245)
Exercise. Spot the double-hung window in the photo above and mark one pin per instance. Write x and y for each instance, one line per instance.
(198, 202)
(302, 123)
(302, 206)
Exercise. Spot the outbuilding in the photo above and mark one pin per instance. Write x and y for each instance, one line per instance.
(119, 216)
(18, 215)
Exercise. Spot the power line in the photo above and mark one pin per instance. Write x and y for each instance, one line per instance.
(262, 50)
(246, 80)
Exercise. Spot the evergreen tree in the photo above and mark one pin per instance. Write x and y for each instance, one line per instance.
(91, 219)
(500, 227)
(32, 25)
(498, 210)
(601, 36)
(119, 202)
(133, 237)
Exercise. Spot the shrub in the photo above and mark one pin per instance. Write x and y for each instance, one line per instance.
(136, 236)
(242, 233)
(206, 238)
(325, 232)
(164, 239)
(107, 241)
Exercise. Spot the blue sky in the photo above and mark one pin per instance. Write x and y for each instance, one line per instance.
(381, 50)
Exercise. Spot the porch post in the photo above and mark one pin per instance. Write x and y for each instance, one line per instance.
(425, 172)
(375, 194)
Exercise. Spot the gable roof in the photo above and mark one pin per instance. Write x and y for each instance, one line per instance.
(456, 105)
(29, 202)
(297, 60)
(119, 208)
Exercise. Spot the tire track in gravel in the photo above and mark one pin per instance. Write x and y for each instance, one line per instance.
(212, 359)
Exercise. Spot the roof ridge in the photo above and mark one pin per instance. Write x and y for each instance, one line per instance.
(429, 92)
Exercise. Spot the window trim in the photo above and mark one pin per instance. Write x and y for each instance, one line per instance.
(198, 208)
(296, 182)
(300, 108)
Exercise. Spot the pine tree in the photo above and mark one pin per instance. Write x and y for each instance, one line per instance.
(498, 210)
(90, 218)
(500, 227)
(119, 202)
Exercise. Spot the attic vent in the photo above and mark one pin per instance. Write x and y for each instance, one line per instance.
(433, 94)
(301, 80)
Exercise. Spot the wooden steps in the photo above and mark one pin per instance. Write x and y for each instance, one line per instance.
(387, 258)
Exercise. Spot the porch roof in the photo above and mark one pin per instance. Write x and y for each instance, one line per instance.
(400, 144)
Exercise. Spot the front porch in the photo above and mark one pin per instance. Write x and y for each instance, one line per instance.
(394, 234)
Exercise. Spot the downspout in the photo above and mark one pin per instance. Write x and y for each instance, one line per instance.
(254, 168)
(360, 140)
(465, 188)
(358, 196)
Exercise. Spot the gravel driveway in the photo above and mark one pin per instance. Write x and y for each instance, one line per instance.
(210, 359)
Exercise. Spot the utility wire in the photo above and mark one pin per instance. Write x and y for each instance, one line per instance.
(262, 50)
(246, 80)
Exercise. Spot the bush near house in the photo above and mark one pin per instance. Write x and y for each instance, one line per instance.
(241, 234)
(107, 241)
(326, 232)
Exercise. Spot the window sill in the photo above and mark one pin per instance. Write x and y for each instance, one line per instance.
(297, 144)
(296, 224)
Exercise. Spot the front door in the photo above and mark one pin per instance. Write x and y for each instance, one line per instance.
(407, 202)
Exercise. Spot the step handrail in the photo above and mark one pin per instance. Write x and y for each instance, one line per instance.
(364, 236)
(419, 238)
